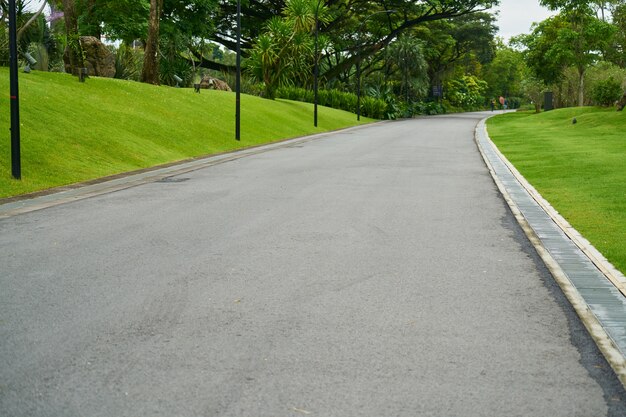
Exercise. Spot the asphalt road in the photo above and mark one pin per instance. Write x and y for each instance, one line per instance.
(372, 272)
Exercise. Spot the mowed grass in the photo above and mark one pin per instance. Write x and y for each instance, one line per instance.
(579, 168)
(73, 132)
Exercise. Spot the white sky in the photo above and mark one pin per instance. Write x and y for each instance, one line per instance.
(516, 16)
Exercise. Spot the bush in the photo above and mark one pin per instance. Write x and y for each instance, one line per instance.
(514, 102)
(606, 92)
(370, 106)
(466, 92)
(428, 108)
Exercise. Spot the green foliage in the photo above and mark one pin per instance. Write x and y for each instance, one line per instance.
(283, 53)
(405, 57)
(126, 20)
(466, 92)
(607, 92)
(128, 63)
(533, 89)
(617, 53)
(578, 168)
(570, 39)
(75, 131)
(384, 92)
(372, 107)
(458, 46)
(429, 108)
(504, 74)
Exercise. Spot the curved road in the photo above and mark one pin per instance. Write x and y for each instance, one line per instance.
(370, 272)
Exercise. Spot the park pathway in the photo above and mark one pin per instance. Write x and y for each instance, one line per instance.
(375, 271)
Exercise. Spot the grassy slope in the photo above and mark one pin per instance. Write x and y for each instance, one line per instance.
(71, 131)
(579, 168)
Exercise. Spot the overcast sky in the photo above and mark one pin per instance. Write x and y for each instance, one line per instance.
(516, 16)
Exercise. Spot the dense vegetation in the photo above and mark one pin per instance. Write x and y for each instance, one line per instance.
(417, 57)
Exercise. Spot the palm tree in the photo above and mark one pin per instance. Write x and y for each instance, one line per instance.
(406, 56)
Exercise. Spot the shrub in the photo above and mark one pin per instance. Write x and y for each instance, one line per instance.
(606, 92)
(466, 92)
(428, 108)
(370, 106)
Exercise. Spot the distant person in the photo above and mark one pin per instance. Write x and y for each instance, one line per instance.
(493, 104)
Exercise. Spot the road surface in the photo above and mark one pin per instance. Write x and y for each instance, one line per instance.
(370, 272)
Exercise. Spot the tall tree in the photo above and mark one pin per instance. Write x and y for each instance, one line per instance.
(150, 71)
(505, 73)
(574, 38)
(349, 19)
(458, 44)
(73, 55)
(406, 55)
(283, 53)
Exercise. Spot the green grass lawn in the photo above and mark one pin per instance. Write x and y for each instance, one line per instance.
(579, 168)
(72, 132)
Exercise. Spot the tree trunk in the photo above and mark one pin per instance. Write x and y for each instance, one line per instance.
(73, 55)
(581, 87)
(150, 71)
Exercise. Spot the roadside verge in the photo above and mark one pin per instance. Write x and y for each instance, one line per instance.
(595, 289)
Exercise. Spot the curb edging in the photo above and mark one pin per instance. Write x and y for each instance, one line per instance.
(599, 334)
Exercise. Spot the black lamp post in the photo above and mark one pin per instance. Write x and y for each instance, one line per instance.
(358, 62)
(16, 167)
(316, 68)
(238, 77)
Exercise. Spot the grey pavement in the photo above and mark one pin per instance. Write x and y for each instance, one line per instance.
(370, 272)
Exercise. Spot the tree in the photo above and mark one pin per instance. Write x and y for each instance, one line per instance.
(572, 38)
(150, 71)
(346, 19)
(407, 57)
(126, 20)
(283, 53)
(504, 73)
(461, 44)
(73, 55)
(617, 53)
(533, 88)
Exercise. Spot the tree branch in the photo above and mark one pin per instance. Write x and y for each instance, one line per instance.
(34, 17)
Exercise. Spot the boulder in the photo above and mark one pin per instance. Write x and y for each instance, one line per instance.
(209, 82)
(99, 60)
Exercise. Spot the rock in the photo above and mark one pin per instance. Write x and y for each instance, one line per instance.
(209, 82)
(99, 60)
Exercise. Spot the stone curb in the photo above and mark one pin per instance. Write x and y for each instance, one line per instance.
(605, 343)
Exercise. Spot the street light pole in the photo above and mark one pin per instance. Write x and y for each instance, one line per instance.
(358, 89)
(316, 68)
(238, 77)
(16, 166)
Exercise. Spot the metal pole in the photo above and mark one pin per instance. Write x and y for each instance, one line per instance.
(358, 89)
(16, 168)
(238, 78)
(316, 69)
